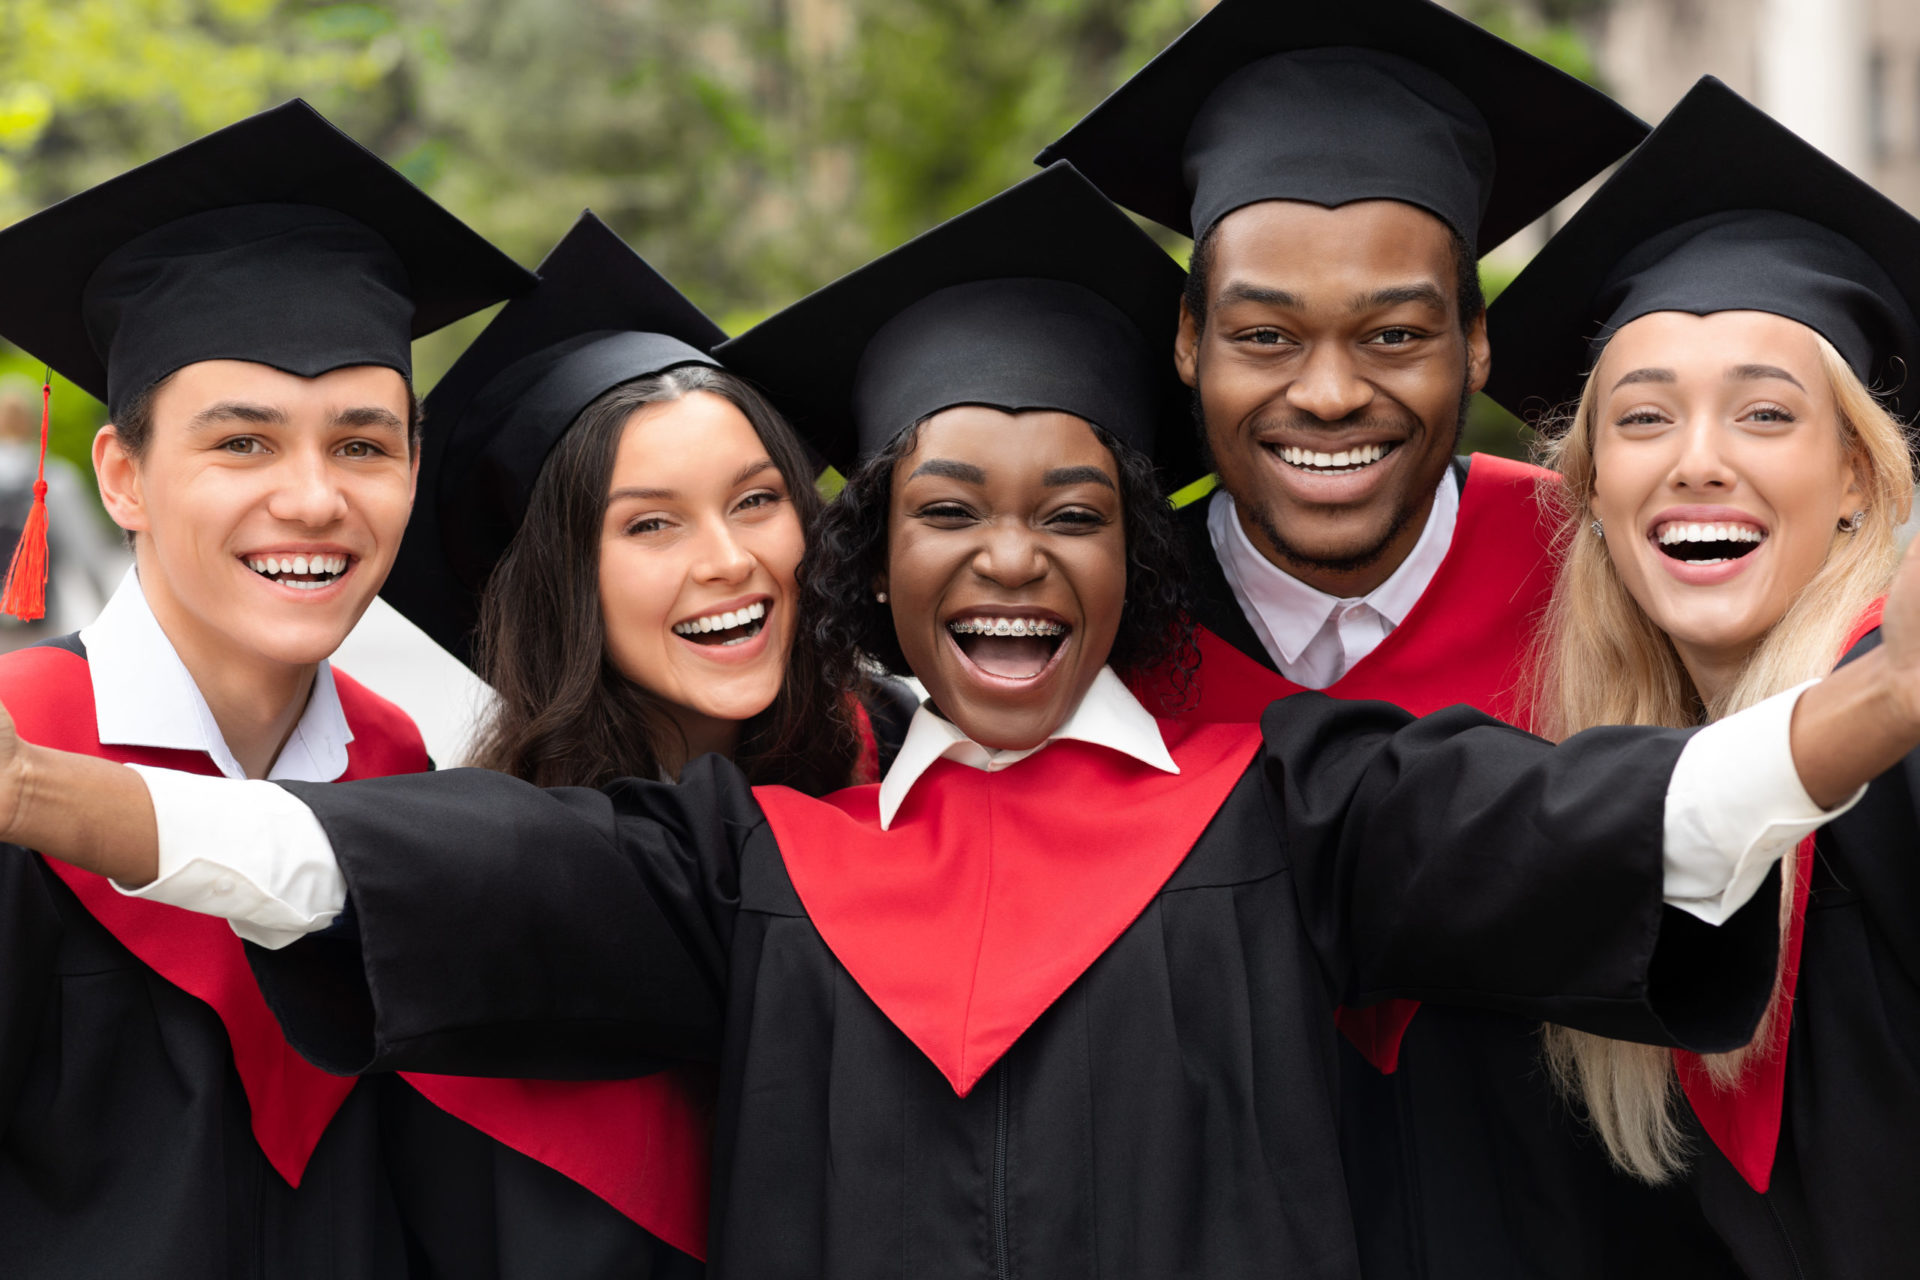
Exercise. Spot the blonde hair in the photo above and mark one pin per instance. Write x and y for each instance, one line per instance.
(1599, 659)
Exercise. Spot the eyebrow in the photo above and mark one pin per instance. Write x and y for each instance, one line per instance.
(741, 476)
(965, 472)
(1760, 373)
(1240, 291)
(238, 411)
(1646, 375)
(1061, 476)
(1398, 295)
(368, 416)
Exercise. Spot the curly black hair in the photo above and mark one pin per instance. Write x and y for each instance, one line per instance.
(848, 554)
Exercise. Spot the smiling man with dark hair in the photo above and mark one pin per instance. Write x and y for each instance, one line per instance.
(1341, 168)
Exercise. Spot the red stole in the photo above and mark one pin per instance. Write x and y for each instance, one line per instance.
(641, 1145)
(993, 892)
(290, 1101)
(1744, 1120)
(1463, 642)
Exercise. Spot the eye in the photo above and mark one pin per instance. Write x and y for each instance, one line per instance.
(362, 449)
(944, 513)
(760, 498)
(1640, 418)
(1263, 337)
(646, 524)
(1395, 337)
(1769, 413)
(243, 445)
(1078, 519)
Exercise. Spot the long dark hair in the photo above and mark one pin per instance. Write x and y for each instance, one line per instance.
(849, 553)
(566, 716)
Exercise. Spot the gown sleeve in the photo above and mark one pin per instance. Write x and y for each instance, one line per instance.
(1456, 859)
(494, 928)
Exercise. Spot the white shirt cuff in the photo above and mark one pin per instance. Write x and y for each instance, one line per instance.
(1735, 805)
(248, 852)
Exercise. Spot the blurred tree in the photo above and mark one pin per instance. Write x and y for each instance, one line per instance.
(751, 149)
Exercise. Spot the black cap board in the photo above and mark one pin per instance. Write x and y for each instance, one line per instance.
(1723, 209)
(1043, 297)
(1329, 103)
(277, 240)
(598, 317)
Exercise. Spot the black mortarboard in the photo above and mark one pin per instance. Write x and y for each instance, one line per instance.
(1043, 297)
(1722, 209)
(277, 240)
(598, 317)
(1330, 102)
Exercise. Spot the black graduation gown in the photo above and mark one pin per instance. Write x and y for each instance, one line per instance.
(126, 1139)
(1173, 1113)
(1466, 1161)
(474, 1207)
(1846, 1176)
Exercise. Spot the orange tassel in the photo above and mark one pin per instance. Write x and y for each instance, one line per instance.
(26, 592)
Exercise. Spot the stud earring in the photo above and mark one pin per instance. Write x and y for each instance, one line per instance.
(880, 596)
(1598, 530)
(1853, 522)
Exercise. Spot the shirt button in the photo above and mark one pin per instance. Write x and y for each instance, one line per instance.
(223, 885)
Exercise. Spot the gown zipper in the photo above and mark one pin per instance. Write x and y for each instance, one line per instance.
(1002, 1260)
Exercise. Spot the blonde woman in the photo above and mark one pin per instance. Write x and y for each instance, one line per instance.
(1732, 493)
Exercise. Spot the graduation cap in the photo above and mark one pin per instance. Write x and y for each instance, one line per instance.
(1722, 209)
(600, 316)
(1043, 297)
(1329, 103)
(277, 240)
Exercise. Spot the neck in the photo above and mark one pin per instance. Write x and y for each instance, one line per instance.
(255, 701)
(1713, 670)
(1345, 580)
(704, 735)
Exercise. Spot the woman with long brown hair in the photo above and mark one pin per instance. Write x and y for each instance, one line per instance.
(608, 527)
(1732, 494)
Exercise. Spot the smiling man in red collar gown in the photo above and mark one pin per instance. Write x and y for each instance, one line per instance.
(1333, 331)
(153, 1121)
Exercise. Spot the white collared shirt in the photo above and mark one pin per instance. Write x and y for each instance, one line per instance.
(1108, 716)
(1312, 637)
(1734, 805)
(144, 696)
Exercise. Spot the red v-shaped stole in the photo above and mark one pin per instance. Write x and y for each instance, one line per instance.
(994, 892)
(1461, 642)
(289, 1100)
(1744, 1120)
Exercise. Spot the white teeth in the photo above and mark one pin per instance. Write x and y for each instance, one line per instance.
(1672, 534)
(1005, 627)
(726, 621)
(278, 567)
(1347, 459)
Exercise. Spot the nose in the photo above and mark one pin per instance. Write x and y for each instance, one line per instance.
(1700, 466)
(308, 493)
(721, 558)
(1010, 555)
(1328, 385)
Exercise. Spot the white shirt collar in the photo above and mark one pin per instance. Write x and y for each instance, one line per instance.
(143, 696)
(1286, 613)
(1108, 716)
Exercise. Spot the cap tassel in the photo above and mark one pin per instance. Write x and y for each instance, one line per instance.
(26, 592)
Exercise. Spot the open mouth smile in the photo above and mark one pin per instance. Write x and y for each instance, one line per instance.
(1707, 543)
(727, 628)
(1344, 462)
(1009, 647)
(302, 573)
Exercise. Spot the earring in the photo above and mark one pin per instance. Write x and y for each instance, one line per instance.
(1598, 531)
(1853, 522)
(880, 596)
